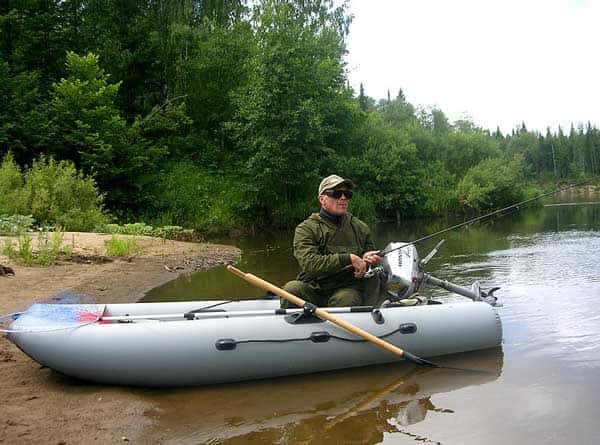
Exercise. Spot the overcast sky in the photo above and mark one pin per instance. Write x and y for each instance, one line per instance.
(501, 62)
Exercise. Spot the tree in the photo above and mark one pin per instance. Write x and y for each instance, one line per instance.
(86, 127)
(218, 65)
(591, 147)
(388, 170)
(397, 112)
(285, 123)
(466, 149)
(493, 183)
(527, 145)
(30, 37)
(22, 123)
(362, 99)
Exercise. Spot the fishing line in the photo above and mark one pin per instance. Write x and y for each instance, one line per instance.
(487, 215)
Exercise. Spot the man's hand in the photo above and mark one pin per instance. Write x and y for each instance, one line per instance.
(372, 257)
(360, 266)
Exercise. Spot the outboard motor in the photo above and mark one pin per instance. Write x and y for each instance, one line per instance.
(402, 274)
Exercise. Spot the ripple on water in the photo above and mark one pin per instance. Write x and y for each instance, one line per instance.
(549, 290)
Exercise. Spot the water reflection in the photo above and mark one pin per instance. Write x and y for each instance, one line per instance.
(270, 256)
(546, 261)
(353, 406)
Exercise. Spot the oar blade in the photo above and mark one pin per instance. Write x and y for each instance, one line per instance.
(418, 360)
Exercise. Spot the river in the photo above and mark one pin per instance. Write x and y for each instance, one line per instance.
(542, 386)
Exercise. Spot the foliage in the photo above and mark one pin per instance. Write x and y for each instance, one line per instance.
(139, 229)
(11, 186)
(15, 224)
(220, 115)
(128, 229)
(48, 250)
(87, 127)
(493, 183)
(25, 249)
(122, 246)
(53, 193)
(466, 149)
(191, 197)
(387, 171)
(285, 119)
(439, 194)
(50, 247)
(22, 123)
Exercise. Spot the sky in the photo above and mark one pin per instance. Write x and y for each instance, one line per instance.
(499, 62)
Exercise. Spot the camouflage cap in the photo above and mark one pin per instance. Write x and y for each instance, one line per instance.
(332, 181)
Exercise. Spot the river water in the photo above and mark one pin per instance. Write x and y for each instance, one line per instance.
(542, 386)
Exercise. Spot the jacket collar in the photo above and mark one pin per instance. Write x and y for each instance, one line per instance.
(321, 219)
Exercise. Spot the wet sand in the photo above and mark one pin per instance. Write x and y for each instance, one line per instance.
(40, 406)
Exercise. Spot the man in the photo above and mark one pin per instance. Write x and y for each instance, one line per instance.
(334, 250)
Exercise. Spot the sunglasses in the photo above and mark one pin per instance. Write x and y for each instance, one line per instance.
(337, 194)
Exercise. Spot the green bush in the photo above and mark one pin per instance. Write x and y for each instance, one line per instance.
(15, 224)
(135, 229)
(58, 194)
(53, 193)
(166, 232)
(492, 183)
(25, 249)
(11, 186)
(363, 207)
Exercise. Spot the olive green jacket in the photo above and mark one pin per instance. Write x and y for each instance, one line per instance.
(322, 249)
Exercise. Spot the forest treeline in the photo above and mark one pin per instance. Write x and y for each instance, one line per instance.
(225, 114)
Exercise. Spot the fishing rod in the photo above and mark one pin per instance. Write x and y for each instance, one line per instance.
(384, 252)
(479, 218)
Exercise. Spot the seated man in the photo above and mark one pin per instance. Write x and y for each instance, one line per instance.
(333, 249)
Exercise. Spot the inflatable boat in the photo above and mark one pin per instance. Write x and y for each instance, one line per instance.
(205, 342)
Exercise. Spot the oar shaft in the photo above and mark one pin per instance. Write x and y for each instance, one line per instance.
(319, 312)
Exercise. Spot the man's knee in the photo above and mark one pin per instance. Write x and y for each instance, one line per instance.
(298, 288)
(345, 297)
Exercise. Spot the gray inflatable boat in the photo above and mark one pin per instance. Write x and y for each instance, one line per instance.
(205, 342)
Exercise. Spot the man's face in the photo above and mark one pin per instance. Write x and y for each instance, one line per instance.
(335, 201)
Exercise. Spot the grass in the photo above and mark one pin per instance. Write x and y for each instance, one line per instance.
(118, 247)
(47, 252)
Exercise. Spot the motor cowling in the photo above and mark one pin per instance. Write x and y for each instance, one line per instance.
(402, 274)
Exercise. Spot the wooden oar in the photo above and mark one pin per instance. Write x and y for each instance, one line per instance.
(327, 316)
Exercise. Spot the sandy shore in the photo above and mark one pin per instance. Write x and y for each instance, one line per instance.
(38, 405)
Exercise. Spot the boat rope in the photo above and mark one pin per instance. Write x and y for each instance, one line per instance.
(315, 337)
(206, 308)
(195, 311)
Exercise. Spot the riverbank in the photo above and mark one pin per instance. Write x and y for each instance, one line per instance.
(38, 405)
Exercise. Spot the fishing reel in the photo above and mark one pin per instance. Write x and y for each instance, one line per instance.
(402, 274)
